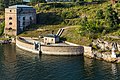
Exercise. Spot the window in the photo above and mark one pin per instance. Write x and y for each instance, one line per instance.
(10, 23)
(23, 23)
(10, 28)
(30, 18)
(51, 39)
(23, 18)
(10, 10)
(10, 18)
(45, 38)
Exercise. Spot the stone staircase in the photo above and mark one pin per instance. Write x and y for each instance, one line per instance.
(60, 31)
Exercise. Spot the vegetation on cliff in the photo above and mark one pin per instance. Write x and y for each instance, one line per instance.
(93, 20)
(2, 25)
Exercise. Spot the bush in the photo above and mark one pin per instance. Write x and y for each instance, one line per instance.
(99, 14)
(72, 21)
(49, 18)
(57, 5)
(2, 25)
(68, 15)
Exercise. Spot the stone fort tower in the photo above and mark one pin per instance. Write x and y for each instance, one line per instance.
(17, 18)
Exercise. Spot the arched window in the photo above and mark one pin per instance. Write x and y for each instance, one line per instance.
(10, 10)
(10, 23)
(10, 28)
(10, 18)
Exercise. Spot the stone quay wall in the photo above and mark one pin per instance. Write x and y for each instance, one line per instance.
(62, 50)
(48, 49)
(26, 46)
(66, 50)
(88, 51)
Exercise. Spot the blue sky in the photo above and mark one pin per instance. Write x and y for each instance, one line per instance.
(27, 0)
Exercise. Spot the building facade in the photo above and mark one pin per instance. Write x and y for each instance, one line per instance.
(17, 18)
(51, 38)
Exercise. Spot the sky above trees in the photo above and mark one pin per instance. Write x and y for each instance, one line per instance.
(26, 0)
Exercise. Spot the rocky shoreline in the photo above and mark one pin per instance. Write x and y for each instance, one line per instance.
(106, 51)
(105, 56)
(5, 41)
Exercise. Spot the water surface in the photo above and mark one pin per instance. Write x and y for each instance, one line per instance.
(17, 64)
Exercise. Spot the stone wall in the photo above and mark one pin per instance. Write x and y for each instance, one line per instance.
(51, 50)
(88, 52)
(10, 28)
(62, 50)
(18, 18)
(26, 46)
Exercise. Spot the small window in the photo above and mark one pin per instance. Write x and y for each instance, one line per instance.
(10, 28)
(45, 38)
(10, 23)
(10, 10)
(10, 18)
(23, 18)
(23, 23)
(51, 39)
(30, 18)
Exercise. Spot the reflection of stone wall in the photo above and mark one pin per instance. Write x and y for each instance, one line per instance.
(62, 50)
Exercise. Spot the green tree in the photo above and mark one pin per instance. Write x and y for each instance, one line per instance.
(111, 17)
(90, 28)
(37, 1)
(2, 25)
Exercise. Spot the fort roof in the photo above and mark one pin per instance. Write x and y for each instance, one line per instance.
(20, 6)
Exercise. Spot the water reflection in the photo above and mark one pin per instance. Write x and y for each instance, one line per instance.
(9, 53)
(50, 67)
(114, 69)
(100, 70)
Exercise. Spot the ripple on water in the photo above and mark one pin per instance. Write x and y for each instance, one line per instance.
(17, 64)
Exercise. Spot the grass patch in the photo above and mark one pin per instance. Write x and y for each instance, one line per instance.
(72, 35)
(41, 30)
